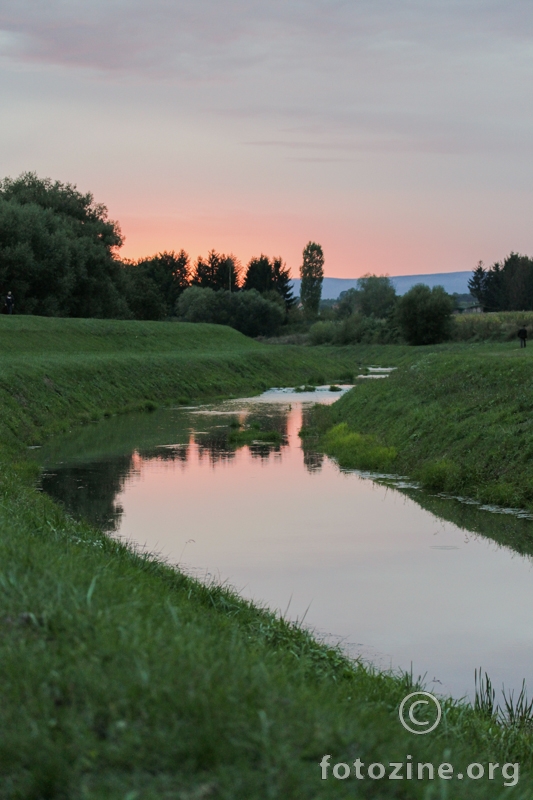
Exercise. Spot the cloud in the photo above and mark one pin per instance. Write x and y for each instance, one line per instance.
(204, 38)
(327, 78)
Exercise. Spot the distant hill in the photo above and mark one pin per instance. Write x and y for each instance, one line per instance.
(452, 282)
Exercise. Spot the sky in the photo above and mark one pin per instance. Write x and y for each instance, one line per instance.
(396, 133)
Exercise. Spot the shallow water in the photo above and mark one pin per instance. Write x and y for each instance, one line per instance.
(401, 578)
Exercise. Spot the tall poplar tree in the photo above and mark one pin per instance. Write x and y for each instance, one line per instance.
(312, 275)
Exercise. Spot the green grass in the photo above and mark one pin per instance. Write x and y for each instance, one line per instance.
(458, 417)
(123, 678)
(350, 447)
(251, 434)
(55, 372)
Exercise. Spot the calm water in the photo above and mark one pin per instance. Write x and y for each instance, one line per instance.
(399, 577)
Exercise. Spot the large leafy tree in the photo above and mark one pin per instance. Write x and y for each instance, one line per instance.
(424, 315)
(506, 286)
(377, 296)
(217, 271)
(58, 250)
(267, 275)
(312, 275)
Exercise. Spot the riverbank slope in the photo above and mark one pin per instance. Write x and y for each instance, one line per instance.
(459, 420)
(121, 677)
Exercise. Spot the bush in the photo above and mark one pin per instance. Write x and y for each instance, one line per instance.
(323, 332)
(247, 312)
(440, 476)
(356, 451)
(355, 329)
(424, 315)
(197, 305)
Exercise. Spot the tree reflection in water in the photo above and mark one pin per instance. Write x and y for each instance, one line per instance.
(89, 491)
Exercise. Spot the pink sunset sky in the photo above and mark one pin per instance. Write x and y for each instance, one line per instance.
(397, 133)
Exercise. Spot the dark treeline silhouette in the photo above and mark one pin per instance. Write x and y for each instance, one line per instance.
(59, 256)
(153, 285)
(506, 286)
(217, 271)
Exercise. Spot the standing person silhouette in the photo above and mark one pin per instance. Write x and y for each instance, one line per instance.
(522, 335)
(10, 303)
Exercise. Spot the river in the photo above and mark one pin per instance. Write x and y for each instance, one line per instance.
(400, 578)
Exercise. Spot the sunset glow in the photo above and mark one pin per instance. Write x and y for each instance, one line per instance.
(395, 134)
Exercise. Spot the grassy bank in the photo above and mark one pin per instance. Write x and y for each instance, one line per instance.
(56, 372)
(122, 678)
(456, 418)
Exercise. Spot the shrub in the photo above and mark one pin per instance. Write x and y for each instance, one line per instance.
(323, 333)
(252, 314)
(197, 305)
(355, 329)
(247, 312)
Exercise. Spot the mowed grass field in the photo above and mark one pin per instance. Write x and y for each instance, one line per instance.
(121, 677)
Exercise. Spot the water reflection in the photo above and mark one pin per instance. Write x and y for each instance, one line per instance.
(90, 491)
(404, 578)
(83, 472)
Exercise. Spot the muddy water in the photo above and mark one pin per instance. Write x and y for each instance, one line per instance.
(401, 578)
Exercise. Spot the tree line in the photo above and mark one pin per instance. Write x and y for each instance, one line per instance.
(506, 286)
(59, 256)
(373, 313)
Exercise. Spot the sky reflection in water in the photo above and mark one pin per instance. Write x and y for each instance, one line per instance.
(397, 582)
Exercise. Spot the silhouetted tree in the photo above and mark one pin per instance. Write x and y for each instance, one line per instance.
(312, 275)
(258, 274)
(217, 271)
(154, 284)
(476, 284)
(506, 286)
(267, 276)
